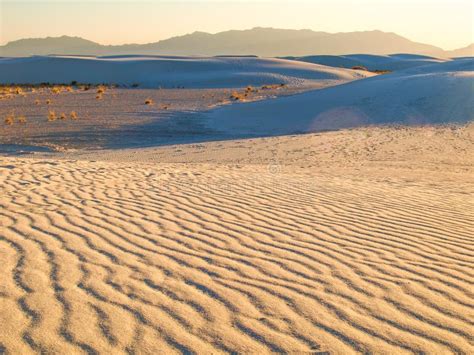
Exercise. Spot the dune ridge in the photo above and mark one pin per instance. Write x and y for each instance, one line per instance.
(438, 93)
(392, 62)
(170, 71)
(115, 254)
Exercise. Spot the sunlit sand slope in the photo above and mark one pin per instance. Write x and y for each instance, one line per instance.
(137, 257)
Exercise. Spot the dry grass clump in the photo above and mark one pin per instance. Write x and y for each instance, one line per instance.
(10, 91)
(48, 102)
(273, 86)
(56, 89)
(52, 116)
(62, 116)
(21, 119)
(164, 106)
(250, 89)
(73, 115)
(10, 119)
(37, 102)
(101, 90)
(7, 92)
(98, 97)
(236, 96)
(148, 102)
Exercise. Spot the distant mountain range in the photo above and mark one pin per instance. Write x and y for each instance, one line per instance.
(268, 42)
(461, 52)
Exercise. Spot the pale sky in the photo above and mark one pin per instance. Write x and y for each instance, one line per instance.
(444, 23)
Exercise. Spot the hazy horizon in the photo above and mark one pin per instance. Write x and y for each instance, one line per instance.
(437, 22)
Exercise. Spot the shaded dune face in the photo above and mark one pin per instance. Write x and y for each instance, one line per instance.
(115, 257)
(430, 94)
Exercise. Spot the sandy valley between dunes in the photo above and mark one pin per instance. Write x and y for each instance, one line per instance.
(357, 241)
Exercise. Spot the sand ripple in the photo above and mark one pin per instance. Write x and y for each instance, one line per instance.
(102, 257)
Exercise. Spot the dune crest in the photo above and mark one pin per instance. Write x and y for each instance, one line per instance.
(169, 71)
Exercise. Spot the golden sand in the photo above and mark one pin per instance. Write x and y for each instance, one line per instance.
(347, 242)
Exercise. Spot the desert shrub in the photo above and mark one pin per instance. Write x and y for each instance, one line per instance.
(73, 115)
(236, 96)
(9, 120)
(52, 116)
(62, 116)
(272, 86)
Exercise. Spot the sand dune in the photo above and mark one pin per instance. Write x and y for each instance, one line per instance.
(437, 93)
(393, 62)
(345, 242)
(431, 94)
(160, 71)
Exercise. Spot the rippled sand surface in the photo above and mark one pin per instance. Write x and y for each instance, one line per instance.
(345, 242)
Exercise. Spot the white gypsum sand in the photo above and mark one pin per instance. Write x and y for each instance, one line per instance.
(350, 241)
(171, 72)
(356, 241)
(436, 93)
